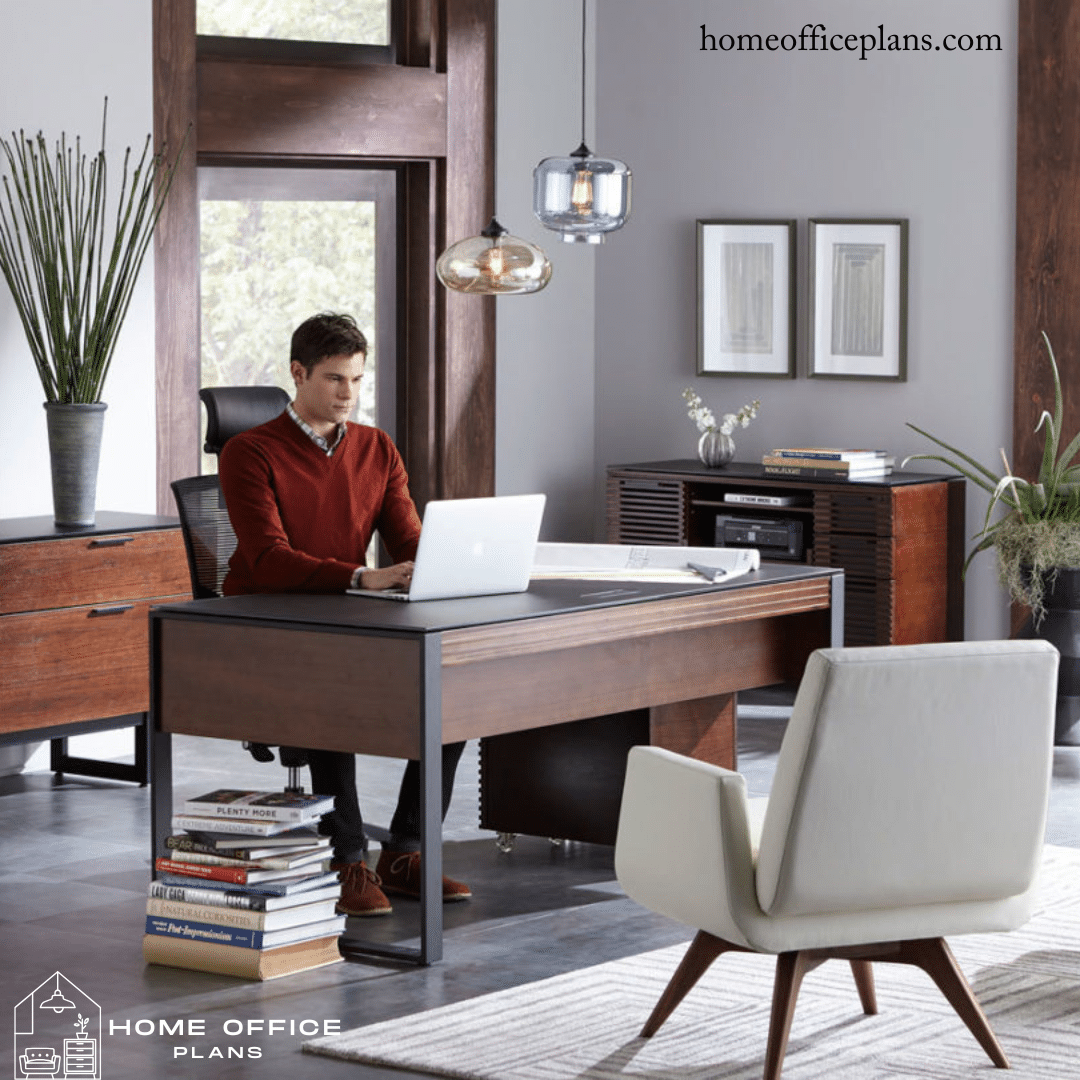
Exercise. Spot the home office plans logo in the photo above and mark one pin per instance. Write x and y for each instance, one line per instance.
(57, 1032)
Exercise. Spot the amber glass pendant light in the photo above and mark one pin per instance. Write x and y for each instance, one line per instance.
(582, 196)
(494, 263)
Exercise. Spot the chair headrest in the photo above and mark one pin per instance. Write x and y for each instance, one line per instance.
(232, 409)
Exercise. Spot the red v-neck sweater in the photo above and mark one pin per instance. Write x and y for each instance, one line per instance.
(303, 520)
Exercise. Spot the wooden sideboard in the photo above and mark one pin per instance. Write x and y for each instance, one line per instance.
(899, 540)
(73, 628)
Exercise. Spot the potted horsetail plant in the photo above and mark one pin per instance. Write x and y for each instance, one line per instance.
(1037, 540)
(70, 256)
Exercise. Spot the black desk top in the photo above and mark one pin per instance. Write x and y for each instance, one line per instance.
(748, 470)
(545, 597)
(23, 530)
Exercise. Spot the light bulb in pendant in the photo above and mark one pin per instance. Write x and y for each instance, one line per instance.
(581, 192)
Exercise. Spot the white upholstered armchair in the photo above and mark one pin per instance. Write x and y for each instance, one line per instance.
(909, 803)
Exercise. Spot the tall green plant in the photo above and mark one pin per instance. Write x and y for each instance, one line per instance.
(1040, 529)
(70, 260)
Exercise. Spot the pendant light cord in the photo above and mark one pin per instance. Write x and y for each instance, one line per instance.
(583, 72)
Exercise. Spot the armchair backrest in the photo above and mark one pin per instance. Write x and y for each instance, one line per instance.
(911, 775)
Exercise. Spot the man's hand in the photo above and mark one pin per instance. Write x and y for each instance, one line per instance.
(387, 577)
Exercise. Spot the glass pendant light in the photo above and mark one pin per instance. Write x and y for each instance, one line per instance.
(583, 197)
(493, 263)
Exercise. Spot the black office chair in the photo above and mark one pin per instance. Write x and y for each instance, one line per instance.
(204, 521)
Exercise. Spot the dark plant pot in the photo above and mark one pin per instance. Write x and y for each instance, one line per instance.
(74, 452)
(1061, 627)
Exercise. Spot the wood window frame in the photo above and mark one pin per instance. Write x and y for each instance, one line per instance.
(431, 115)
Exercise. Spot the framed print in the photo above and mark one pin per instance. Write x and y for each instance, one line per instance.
(858, 299)
(746, 298)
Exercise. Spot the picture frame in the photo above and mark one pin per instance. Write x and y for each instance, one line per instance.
(746, 298)
(858, 298)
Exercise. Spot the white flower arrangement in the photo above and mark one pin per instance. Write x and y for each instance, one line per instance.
(703, 416)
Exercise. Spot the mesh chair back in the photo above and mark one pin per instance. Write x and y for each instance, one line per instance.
(208, 533)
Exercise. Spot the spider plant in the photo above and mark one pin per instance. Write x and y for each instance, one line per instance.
(71, 256)
(1039, 531)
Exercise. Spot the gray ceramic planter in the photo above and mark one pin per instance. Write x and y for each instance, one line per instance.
(74, 451)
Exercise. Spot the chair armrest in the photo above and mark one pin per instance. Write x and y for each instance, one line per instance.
(684, 845)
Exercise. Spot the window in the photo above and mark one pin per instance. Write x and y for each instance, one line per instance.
(360, 22)
(277, 245)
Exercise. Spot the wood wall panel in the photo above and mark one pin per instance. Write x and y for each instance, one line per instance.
(176, 252)
(468, 410)
(432, 113)
(1047, 220)
(373, 110)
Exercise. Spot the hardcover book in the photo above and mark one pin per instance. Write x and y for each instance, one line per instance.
(248, 828)
(283, 887)
(235, 960)
(244, 899)
(243, 918)
(285, 859)
(242, 937)
(260, 805)
(242, 874)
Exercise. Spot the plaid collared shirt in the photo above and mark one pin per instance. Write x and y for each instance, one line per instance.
(326, 447)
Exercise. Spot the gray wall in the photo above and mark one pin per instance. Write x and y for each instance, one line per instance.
(929, 136)
(545, 368)
(92, 50)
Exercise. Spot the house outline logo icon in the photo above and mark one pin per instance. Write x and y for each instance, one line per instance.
(57, 1033)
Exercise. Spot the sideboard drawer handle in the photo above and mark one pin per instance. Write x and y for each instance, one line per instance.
(112, 609)
(111, 541)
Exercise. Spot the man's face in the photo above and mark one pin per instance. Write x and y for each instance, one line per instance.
(327, 396)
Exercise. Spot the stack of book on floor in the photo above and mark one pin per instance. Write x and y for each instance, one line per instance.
(245, 888)
(828, 463)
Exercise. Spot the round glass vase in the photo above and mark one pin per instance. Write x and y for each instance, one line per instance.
(715, 449)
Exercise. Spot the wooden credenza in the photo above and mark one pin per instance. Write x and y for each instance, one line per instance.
(899, 540)
(73, 628)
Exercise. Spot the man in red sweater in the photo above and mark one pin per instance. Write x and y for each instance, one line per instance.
(305, 493)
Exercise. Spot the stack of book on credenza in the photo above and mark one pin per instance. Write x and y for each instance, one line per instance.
(828, 463)
(245, 888)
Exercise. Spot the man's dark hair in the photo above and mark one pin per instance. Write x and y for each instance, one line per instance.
(326, 335)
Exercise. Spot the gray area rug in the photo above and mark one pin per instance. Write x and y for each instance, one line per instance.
(584, 1025)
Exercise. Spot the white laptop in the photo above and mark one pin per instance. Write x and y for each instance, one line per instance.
(472, 547)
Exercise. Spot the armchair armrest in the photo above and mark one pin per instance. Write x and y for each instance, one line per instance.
(684, 846)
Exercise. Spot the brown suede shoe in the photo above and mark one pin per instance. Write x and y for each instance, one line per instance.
(360, 892)
(399, 872)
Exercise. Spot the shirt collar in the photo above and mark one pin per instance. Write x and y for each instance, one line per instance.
(324, 445)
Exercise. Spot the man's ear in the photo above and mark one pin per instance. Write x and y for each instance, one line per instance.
(298, 372)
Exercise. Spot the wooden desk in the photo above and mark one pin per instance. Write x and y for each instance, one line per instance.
(73, 605)
(378, 677)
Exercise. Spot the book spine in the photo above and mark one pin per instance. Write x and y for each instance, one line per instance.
(297, 815)
(191, 894)
(243, 963)
(234, 874)
(811, 473)
(201, 823)
(833, 455)
(209, 858)
(209, 932)
(812, 463)
(240, 918)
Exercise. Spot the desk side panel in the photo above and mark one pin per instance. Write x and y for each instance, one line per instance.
(293, 687)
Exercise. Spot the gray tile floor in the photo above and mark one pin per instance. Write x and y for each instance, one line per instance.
(72, 895)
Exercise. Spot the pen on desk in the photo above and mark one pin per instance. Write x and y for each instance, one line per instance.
(710, 573)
